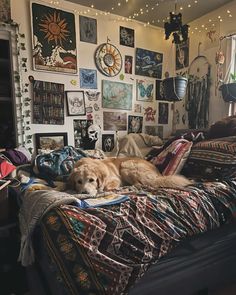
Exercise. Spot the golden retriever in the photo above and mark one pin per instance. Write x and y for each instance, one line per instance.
(91, 176)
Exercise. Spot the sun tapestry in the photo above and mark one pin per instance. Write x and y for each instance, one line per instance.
(54, 41)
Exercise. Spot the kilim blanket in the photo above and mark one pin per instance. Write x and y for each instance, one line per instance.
(105, 248)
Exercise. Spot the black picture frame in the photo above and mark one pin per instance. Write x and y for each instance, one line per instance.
(75, 103)
(50, 141)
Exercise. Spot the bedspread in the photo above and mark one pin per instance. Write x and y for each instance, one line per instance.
(105, 247)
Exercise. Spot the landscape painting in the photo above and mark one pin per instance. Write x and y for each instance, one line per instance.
(115, 121)
(54, 41)
(116, 95)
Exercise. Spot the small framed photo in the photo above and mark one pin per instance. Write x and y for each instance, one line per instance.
(75, 103)
(50, 141)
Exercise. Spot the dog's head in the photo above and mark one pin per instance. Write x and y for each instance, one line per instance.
(88, 177)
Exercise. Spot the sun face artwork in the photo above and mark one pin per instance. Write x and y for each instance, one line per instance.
(54, 42)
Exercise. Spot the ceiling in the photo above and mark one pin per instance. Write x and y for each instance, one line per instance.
(154, 12)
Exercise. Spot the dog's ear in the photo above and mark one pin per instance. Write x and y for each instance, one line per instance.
(70, 184)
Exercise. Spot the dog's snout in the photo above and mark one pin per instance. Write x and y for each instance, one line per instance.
(84, 192)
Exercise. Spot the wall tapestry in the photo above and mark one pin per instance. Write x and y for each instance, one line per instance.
(182, 55)
(128, 64)
(107, 142)
(135, 124)
(163, 113)
(5, 10)
(148, 63)
(88, 29)
(117, 95)
(115, 121)
(88, 78)
(144, 90)
(126, 37)
(54, 41)
(75, 103)
(48, 103)
(81, 133)
(108, 59)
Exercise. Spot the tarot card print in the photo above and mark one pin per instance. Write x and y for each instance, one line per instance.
(88, 29)
(135, 124)
(163, 113)
(107, 142)
(126, 37)
(54, 41)
(88, 78)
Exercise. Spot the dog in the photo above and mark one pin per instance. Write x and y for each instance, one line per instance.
(92, 176)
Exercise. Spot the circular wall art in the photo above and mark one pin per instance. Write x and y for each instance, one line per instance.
(108, 59)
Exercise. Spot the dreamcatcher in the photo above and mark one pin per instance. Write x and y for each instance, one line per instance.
(198, 95)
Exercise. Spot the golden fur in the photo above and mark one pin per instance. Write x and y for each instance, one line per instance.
(92, 175)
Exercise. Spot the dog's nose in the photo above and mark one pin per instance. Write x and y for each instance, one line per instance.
(83, 192)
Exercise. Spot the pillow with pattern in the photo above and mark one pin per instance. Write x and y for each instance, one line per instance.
(172, 159)
(212, 159)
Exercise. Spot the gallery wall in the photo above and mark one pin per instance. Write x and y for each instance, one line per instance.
(144, 108)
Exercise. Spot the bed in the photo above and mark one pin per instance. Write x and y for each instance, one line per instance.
(137, 241)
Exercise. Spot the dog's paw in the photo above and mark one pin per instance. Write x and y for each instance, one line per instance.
(37, 187)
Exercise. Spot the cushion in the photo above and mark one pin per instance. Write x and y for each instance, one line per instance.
(172, 159)
(212, 159)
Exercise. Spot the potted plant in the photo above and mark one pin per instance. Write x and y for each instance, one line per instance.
(174, 88)
(228, 90)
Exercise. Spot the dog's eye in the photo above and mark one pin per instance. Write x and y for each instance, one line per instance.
(79, 181)
(91, 180)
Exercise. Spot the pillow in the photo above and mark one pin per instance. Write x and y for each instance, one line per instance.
(212, 159)
(172, 159)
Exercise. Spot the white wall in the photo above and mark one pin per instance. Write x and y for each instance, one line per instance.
(218, 108)
(145, 37)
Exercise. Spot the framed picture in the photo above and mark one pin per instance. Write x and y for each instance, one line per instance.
(128, 64)
(116, 95)
(182, 55)
(81, 134)
(5, 10)
(48, 103)
(107, 142)
(144, 90)
(88, 78)
(75, 103)
(135, 124)
(50, 141)
(163, 113)
(148, 63)
(115, 121)
(88, 29)
(54, 39)
(126, 37)
(159, 90)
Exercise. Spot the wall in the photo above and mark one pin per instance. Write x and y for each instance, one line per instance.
(198, 34)
(145, 37)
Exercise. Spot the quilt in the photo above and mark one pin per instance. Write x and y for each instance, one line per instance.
(104, 245)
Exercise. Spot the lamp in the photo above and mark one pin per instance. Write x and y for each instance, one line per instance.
(180, 32)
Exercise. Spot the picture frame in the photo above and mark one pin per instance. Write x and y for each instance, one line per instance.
(54, 43)
(50, 141)
(144, 90)
(75, 103)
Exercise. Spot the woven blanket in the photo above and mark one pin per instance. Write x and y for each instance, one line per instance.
(105, 249)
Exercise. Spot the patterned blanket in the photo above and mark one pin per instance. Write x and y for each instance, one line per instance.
(104, 248)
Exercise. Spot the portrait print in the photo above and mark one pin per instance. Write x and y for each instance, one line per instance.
(128, 64)
(88, 29)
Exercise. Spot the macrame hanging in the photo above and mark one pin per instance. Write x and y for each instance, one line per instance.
(198, 95)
